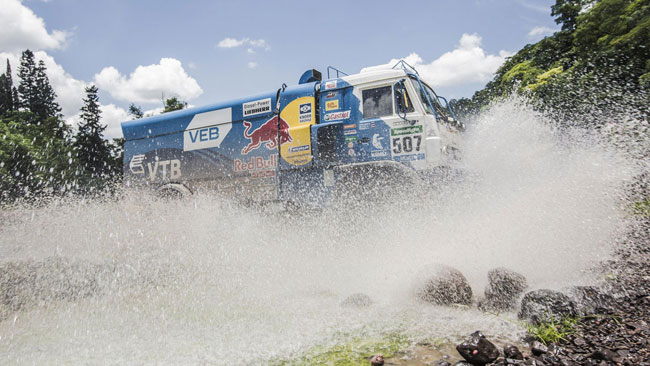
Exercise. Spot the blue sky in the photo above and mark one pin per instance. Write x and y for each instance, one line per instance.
(456, 44)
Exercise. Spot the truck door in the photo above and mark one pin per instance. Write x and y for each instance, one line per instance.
(390, 128)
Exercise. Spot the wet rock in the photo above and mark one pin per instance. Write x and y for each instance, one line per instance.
(545, 305)
(377, 360)
(462, 363)
(605, 355)
(512, 352)
(503, 289)
(442, 363)
(477, 350)
(538, 349)
(591, 300)
(443, 285)
(358, 300)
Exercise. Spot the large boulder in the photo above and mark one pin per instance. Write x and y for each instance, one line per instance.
(546, 305)
(591, 300)
(443, 285)
(503, 289)
(477, 350)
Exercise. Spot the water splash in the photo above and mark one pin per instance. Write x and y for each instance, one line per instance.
(205, 281)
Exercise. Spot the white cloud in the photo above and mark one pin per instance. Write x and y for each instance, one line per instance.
(541, 32)
(112, 117)
(22, 29)
(467, 63)
(252, 65)
(233, 42)
(147, 84)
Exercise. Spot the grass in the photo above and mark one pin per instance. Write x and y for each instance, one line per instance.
(355, 352)
(554, 330)
(641, 208)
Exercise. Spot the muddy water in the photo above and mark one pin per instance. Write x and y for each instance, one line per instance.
(206, 281)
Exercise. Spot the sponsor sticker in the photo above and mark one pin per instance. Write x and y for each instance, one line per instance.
(169, 169)
(350, 144)
(207, 130)
(403, 123)
(351, 152)
(353, 125)
(331, 94)
(366, 125)
(332, 105)
(336, 115)
(379, 153)
(135, 165)
(405, 130)
(266, 135)
(349, 132)
(410, 157)
(376, 142)
(256, 107)
(305, 113)
(255, 163)
(350, 139)
(294, 149)
(330, 85)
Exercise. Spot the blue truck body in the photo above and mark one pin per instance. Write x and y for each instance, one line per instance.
(294, 143)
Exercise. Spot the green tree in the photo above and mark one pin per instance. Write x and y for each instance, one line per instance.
(7, 92)
(35, 92)
(93, 151)
(27, 92)
(566, 12)
(135, 111)
(173, 104)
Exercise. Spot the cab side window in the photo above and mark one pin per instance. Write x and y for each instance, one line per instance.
(377, 102)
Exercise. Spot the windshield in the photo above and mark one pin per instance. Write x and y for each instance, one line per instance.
(426, 90)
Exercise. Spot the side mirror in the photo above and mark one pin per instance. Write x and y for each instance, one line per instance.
(401, 100)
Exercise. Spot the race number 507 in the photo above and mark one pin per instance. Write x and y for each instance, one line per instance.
(406, 144)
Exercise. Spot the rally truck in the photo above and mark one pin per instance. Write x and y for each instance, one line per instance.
(299, 143)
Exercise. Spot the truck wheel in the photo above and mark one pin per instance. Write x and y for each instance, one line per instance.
(173, 191)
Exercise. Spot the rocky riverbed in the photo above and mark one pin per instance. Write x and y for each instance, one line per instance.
(607, 325)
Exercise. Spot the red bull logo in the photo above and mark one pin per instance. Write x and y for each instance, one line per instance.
(266, 134)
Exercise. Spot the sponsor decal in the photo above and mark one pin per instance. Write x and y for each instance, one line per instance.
(379, 153)
(256, 107)
(135, 165)
(266, 134)
(405, 130)
(350, 139)
(207, 130)
(331, 95)
(305, 113)
(332, 105)
(336, 115)
(330, 85)
(169, 169)
(366, 125)
(353, 125)
(403, 123)
(376, 142)
(350, 132)
(255, 163)
(409, 157)
(299, 148)
(350, 144)
(351, 152)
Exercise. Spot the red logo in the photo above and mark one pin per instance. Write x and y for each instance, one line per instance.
(266, 134)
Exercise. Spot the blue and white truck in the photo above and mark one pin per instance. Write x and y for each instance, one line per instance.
(299, 142)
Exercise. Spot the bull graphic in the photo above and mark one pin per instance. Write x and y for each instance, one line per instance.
(266, 134)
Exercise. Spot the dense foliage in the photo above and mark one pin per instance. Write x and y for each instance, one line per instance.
(601, 56)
